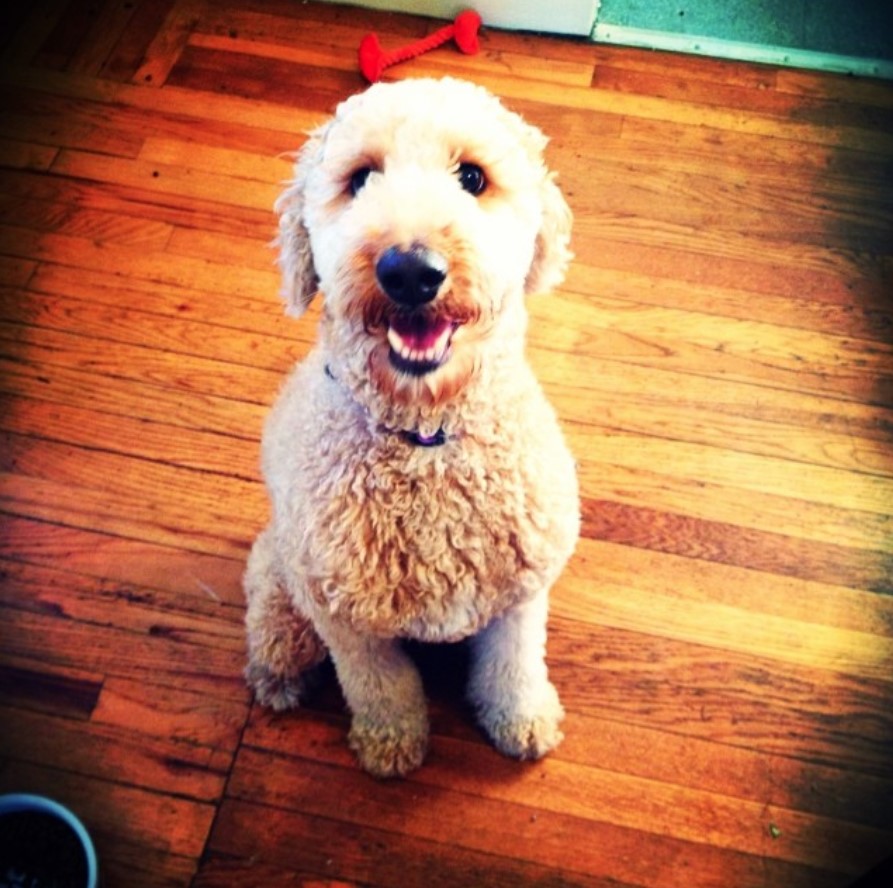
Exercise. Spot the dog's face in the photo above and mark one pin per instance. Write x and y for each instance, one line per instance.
(423, 211)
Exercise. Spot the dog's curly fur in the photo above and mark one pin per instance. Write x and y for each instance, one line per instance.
(375, 538)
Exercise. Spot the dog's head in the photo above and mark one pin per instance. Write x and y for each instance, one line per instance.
(424, 212)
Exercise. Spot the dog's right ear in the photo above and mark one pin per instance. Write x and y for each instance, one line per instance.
(300, 282)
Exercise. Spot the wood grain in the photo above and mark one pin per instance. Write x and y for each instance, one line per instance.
(720, 357)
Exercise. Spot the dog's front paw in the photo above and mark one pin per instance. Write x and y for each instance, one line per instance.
(522, 731)
(389, 750)
(278, 692)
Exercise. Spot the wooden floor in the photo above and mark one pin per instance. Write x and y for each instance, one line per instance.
(721, 359)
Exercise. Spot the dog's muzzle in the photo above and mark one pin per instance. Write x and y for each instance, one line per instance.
(420, 340)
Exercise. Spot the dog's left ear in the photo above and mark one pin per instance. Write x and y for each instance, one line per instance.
(551, 255)
(300, 282)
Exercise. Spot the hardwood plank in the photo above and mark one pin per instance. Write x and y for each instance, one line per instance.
(333, 16)
(508, 62)
(736, 470)
(70, 25)
(692, 342)
(125, 863)
(276, 23)
(754, 268)
(197, 619)
(31, 28)
(119, 514)
(827, 311)
(599, 809)
(369, 855)
(70, 693)
(779, 103)
(763, 512)
(782, 782)
(120, 200)
(163, 765)
(864, 90)
(167, 43)
(139, 817)
(216, 248)
(702, 581)
(15, 272)
(838, 169)
(736, 166)
(160, 442)
(219, 379)
(132, 44)
(25, 156)
(165, 178)
(172, 101)
(58, 377)
(553, 70)
(285, 766)
(123, 325)
(312, 54)
(227, 161)
(247, 314)
(758, 550)
(630, 176)
(174, 714)
(60, 501)
(101, 125)
(34, 116)
(252, 313)
(217, 73)
(742, 417)
(743, 700)
(623, 745)
(157, 266)
(97, 226)
(769, 258)
(220, 870)
(113, 651)
(682, 65)
(120, 560)
(176, 304)
(105, 29)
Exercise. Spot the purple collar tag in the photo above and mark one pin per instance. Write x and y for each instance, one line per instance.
(420, 440)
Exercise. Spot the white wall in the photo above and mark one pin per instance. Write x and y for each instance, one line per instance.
(555, 16)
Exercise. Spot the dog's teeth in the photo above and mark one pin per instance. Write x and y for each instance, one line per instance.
(443, 343)
(400, 347)
(395, 341)
(435, 354)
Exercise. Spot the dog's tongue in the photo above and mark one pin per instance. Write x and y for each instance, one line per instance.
(419, 333)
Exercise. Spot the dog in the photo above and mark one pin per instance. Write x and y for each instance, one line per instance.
(420, 485)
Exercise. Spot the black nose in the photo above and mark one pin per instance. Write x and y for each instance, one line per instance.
(413, 276)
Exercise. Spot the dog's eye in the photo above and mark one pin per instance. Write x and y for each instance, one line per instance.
(472, 178)
(358, 179)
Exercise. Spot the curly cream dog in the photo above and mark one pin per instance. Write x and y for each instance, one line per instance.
(420, 485)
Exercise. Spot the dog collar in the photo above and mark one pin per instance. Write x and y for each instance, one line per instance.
(417, 439)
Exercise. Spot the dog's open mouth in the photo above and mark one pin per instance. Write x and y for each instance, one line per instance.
(419, 343)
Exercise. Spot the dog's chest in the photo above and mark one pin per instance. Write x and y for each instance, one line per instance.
(428, 542)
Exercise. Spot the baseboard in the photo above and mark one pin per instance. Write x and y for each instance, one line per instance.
(622, 35)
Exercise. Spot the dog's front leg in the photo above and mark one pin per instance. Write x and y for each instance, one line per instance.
(509, 685)
(389, 730)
